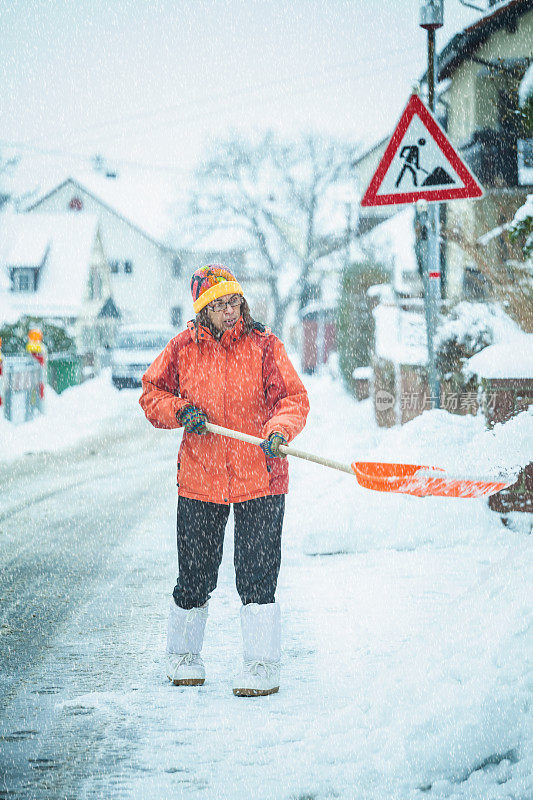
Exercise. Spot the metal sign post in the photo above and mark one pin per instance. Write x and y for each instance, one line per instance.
(431, 18)
(420, 165)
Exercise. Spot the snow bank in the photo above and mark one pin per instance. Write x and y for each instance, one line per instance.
(76, 414)
(512, 360)
(438, 677)
(459, 444)
(477, 673)
(417, 640)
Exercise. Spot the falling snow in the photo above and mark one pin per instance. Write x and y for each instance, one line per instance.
(406, 621)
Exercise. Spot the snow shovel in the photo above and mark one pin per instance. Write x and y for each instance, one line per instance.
(384, 477)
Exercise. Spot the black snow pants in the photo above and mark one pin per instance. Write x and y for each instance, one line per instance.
(257, 548)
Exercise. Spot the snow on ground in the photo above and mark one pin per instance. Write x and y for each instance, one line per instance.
(70, 418)
(407, 626)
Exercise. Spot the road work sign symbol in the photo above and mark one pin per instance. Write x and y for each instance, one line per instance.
(419, 163)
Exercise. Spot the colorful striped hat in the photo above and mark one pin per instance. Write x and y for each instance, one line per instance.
(211, 282)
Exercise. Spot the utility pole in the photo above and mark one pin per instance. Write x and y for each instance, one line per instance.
(431, 18)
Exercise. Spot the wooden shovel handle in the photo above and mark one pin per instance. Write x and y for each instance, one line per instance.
(288, 451)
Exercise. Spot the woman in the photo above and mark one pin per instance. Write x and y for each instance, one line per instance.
(231, 371)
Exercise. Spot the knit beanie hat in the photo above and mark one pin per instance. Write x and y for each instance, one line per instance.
(211, 282)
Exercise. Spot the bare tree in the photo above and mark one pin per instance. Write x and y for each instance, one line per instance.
(277, 193)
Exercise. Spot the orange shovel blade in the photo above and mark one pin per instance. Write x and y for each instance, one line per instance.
(421, 481)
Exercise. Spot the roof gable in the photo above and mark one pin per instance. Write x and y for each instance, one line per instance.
(463, 44)
(143, 205)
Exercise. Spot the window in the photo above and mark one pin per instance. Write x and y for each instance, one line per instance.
(23, 279)
(95, 284)
(177, 267)
(117, 267)
(175, 316)
(475, 285)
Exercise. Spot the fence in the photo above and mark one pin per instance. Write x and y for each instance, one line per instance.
(21, 390)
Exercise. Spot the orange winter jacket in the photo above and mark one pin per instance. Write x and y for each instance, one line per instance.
(242, 381)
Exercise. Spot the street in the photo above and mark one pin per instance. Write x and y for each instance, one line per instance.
(88, 565)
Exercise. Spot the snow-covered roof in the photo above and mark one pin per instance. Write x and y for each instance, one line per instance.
(464, 43)
(145, 200)
(512, 359)
(29, 250)
(69, 239)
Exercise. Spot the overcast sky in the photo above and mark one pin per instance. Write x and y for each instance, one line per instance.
(149, 80)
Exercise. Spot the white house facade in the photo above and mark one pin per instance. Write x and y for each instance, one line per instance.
(146, 276)
(53, 266)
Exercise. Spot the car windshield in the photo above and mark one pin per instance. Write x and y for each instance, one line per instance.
(143, 340)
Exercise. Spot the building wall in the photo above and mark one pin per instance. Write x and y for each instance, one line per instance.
(93, 334)
(148, 294)
(471, 92)
(473, 105)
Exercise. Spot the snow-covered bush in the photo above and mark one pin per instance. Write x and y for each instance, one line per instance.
(468, 329)
(15, 336)
(355, 323)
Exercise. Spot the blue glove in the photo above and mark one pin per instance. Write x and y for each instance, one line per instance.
(270, 446)
(193, 420)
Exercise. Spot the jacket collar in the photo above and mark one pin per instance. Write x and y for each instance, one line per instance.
(204, 334)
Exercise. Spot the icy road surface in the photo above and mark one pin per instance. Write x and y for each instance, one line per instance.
(406, 627)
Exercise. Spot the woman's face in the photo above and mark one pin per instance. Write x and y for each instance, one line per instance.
(224, 312)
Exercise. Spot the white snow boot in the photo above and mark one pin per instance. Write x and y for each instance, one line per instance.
(261, 637)
(185, 636)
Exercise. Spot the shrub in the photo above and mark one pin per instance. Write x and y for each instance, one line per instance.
(15, 336)
(355, 322)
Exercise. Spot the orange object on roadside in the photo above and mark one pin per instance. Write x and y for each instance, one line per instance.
(35, 340)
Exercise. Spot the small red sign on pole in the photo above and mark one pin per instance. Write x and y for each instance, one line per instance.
(420, 164)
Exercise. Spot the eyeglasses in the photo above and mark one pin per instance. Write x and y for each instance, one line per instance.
(220, 305)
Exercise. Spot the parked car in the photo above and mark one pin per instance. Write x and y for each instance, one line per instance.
(135, 348)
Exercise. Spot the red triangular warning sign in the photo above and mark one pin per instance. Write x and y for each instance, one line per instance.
(420, 164)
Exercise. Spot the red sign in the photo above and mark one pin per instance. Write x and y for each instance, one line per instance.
(420, 164)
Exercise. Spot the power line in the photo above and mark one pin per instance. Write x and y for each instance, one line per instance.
(57, 152)
(232, 97)
(85, 157)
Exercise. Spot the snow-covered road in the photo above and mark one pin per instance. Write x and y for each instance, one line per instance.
(406, 627)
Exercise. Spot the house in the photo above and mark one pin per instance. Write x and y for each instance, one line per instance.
(484, 65)
(147, 280)
(54, 266)
(480, 70)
